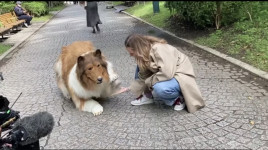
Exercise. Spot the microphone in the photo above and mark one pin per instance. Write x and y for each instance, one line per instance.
(34, 127)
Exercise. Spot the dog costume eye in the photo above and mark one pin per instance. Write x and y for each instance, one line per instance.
(98, 65)
(90, 68)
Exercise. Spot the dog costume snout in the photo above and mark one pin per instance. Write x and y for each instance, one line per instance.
(99, 80)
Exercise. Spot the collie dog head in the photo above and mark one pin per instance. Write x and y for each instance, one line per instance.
(92, 68)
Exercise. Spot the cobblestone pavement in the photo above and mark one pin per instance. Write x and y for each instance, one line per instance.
(236, 109)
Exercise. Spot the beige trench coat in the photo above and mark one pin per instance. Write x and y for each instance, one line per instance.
(168, 62)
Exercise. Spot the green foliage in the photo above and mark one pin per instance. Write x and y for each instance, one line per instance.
(36, 8)
(6, 7)
(240, 38)
(145, 11)
(4, 48)
(57, 8)
(202, 14)
(57, 3)
(42, 18)
(247, 41)
(115, 3)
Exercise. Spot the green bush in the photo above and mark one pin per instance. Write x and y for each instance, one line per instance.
(36, 8)
(57, 3)
(230, 12)
(203, 14)
(245, 39)
(200, 14)
(6, 7)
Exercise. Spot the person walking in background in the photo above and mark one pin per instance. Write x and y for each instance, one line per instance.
(93, 19)
(163, 73)
(22, 14)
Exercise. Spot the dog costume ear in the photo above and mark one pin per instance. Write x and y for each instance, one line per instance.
(80, 60)
(97, 53)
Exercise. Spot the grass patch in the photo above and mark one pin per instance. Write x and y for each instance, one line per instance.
(145, 12)
(48, 16)
(4, 48)
(247, 41)
(42, 18)
(115, 3)
(57, 8)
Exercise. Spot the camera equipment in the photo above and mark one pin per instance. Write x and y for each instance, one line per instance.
(7, 115)
(22, 134)
(26, 132)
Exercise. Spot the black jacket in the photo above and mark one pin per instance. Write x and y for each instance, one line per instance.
(19, 11)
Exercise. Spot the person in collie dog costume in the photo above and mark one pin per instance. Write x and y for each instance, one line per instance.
(84, 74)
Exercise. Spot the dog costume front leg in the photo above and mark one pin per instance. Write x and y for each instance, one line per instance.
(112, 75)
(87, 105)
(114, 81)
(93, 106)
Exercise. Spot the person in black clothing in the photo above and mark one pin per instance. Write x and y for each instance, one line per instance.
(22, 14)
(93, 18)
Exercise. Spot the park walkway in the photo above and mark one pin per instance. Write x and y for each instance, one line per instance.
(236, 109)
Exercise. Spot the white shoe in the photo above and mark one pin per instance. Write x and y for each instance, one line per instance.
(179, 104)
(25, 24)
(142, 100)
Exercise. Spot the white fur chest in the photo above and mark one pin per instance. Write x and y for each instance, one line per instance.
(79, 90)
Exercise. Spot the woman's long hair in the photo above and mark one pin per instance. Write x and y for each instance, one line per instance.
(142, 45)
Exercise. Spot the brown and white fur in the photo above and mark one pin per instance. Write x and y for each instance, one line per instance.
(84, 74)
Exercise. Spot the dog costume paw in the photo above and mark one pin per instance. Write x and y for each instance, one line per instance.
(113, 77)
(97, 110)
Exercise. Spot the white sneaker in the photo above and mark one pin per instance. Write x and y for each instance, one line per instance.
(25, 24)
(142, 100)
(179, 104)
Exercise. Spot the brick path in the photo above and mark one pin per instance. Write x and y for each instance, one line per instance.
(233, 97)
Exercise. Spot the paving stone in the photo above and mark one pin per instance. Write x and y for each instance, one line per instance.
(252, 146)
(250, 135)
(258, 131)
(243, 140)
(233, 144)
(221, 132)
(263, 148)
(264, 137)
(200, 139)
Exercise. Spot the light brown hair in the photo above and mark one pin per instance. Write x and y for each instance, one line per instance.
(141, 45)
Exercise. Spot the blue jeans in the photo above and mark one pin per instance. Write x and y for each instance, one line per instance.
(166, 91)
(26, 18)
(136, 73)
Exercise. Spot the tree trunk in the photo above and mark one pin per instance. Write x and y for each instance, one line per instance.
(218, 15)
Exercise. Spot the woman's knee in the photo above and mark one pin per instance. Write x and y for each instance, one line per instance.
(160, 91)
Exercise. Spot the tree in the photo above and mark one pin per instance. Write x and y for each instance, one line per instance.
(218, 15)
